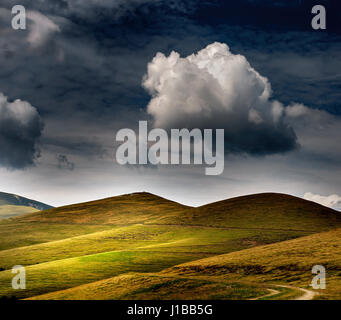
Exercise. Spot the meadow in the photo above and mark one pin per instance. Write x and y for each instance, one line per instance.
(141, 246)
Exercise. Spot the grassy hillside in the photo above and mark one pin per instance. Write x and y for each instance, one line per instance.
(120, 210)
(152, 238)
(137, 286)
(80, 219)
(242, 274)
(9, 211)
(285, 262)
(137, 248)
(14, 234)
(98, 241)
(260, 211)
(264, 211)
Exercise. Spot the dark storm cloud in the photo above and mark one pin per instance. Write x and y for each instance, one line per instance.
(87, 147)
(86, 69)
(269, 15)
(89, 68)
(116, 9)
(20, 128)
(77, 146)
(85, 76)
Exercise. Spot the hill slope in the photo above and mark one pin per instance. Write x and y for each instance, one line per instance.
(12, 205)
(84, 218)
(75, 245)
(241, 274)
(285, 262)
(125, 209)
(15, 200)
(259, 211)
(264, 211)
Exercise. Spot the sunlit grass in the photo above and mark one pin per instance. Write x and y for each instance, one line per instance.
(81, 250)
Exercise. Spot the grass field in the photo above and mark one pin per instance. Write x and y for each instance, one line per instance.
(141, 246)
(14, 234)
(135, 286)
(9, 211)
(288, 262)
(251, 271)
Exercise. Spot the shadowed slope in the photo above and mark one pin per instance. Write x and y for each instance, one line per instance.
(264, 211)
(15, 200)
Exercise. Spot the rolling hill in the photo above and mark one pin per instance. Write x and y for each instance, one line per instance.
(142, 235)
(287, 263)
(12, 205)
(264, 211)
(259, 211)
(126, 209)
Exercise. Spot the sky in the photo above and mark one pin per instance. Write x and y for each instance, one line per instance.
(82, 70)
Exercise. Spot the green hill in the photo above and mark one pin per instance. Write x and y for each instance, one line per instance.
(288, 262)
(262, 211)
(238, 274)
(76, 245)
(83, 218)
(120, 210)
(259, 211)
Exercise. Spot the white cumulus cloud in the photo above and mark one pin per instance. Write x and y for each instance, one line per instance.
(218, 89)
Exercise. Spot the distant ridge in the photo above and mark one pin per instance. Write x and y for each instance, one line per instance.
(8, 199)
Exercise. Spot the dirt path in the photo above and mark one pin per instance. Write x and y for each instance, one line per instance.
(272, 293)
(307, 294)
